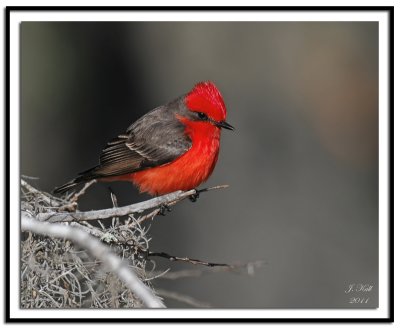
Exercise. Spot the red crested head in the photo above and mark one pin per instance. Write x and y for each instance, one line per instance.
(205, 97)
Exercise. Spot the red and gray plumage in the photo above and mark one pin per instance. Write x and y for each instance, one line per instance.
(173, 147)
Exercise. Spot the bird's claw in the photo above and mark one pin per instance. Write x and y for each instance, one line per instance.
(195, 196)
(163, 209)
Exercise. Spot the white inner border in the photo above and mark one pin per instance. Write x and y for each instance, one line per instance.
(382, 17)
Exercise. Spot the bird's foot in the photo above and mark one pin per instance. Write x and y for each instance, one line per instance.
(163, 209)
(195, 196)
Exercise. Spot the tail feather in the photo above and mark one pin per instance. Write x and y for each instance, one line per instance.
(82, 178)
(66, 187)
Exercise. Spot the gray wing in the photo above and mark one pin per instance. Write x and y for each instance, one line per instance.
(155, 139)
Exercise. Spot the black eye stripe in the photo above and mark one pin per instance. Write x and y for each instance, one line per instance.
(202, 116)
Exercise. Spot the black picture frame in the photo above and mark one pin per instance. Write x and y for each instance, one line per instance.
(8, 12)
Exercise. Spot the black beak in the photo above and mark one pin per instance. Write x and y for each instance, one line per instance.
(224, 124)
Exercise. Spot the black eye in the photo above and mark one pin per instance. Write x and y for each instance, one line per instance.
(202, 116)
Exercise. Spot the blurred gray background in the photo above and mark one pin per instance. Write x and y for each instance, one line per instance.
(302, 164)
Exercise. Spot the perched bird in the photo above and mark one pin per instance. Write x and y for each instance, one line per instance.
(173, 147)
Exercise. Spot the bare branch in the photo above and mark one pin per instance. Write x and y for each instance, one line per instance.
(185, 259)
(247, 268)
(98, 250)
(166, 200)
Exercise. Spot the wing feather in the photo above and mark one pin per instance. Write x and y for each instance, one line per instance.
(155, 139)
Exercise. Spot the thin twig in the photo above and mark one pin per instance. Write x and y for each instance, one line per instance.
(150, 215)
(29, 177)
(175, 275)
(182, 298)
(248, 268)
(77, 195)
(72, 204)
(185, 259)
(98, 250)
(115, 220)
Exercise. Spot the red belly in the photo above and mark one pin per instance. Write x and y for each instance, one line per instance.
(185, 173)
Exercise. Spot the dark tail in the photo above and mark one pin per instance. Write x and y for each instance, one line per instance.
(83, 177)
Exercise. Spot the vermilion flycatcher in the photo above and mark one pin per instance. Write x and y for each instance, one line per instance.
(173, 147)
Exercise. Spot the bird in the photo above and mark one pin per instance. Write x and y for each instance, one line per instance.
(173, 147)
